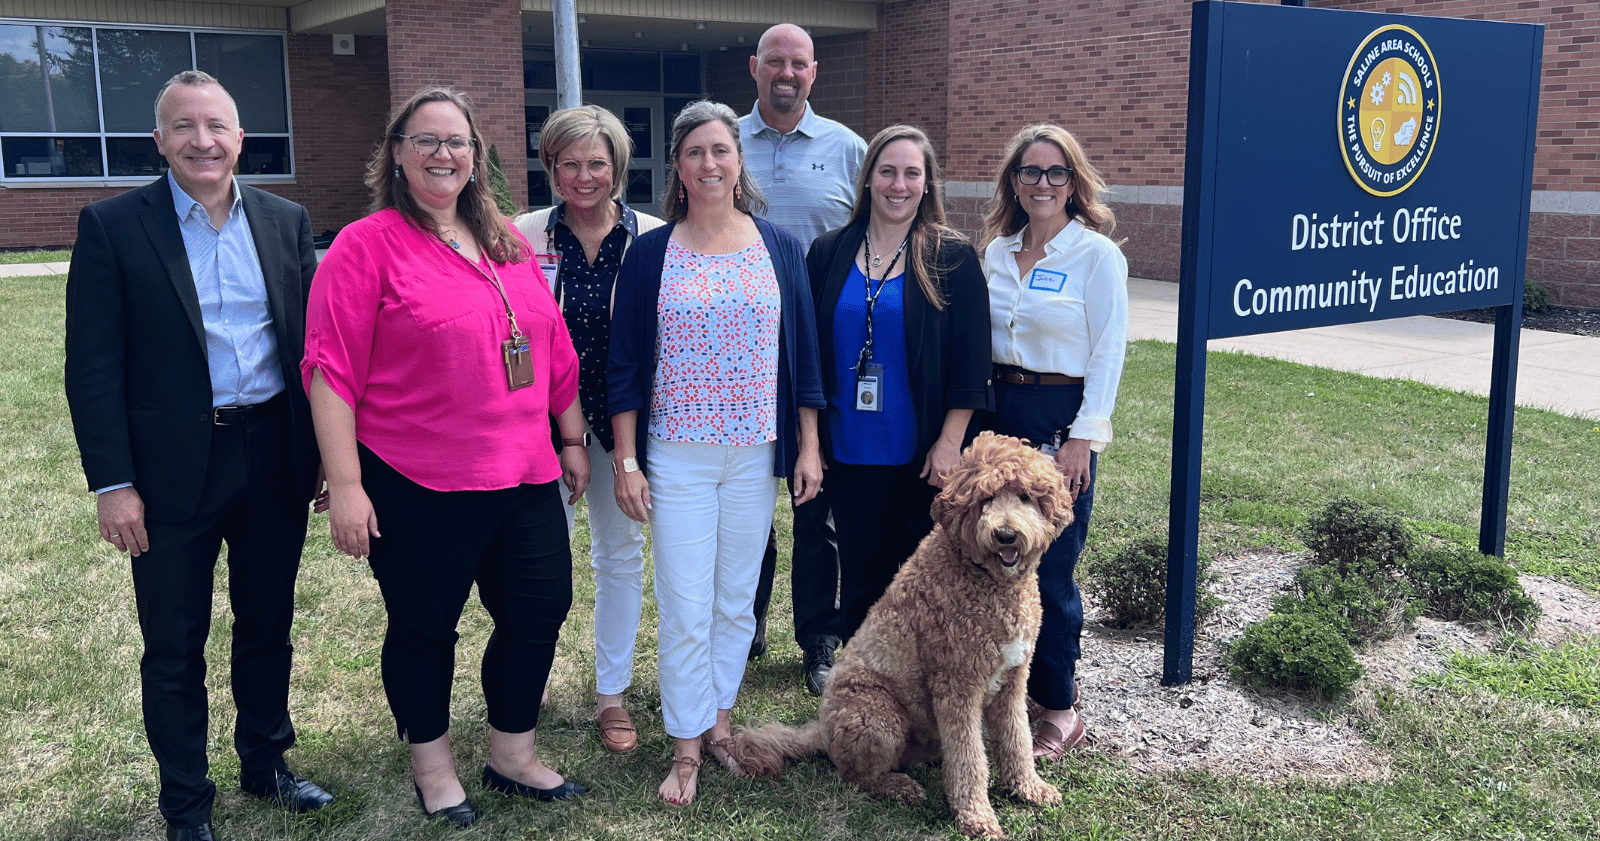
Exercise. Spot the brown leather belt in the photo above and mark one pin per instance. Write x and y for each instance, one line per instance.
(1017, 376)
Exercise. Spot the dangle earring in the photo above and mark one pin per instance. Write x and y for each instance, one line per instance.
(397, 173)
(738, 191)
(471, 178)
(683, 192)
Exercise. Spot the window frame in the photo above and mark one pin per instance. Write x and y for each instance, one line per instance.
(9, 181)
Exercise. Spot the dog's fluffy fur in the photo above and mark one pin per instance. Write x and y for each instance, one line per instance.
(944, 654)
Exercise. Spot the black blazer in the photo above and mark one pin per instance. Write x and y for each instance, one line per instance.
(136, 376)
(947, 351)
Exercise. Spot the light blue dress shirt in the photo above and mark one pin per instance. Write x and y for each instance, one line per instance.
(241, 349)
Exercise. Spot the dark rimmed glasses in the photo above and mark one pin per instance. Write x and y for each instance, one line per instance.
(427, 144)
(1058, 176)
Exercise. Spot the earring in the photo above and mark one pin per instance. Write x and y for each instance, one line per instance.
(683, 192)
(738, 192)
(397, 173)
(472, 178)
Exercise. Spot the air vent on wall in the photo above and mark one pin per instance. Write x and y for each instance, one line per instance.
(344, 45)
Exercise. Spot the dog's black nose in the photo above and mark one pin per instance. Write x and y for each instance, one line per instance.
(1006, 535)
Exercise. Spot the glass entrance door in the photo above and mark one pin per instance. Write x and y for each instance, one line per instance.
(640, 114)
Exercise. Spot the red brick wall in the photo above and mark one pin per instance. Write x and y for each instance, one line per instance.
(340, 106)
(840, 89)
(906, 76)
(474, 45)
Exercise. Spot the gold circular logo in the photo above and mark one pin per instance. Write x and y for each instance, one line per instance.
(1389, 110)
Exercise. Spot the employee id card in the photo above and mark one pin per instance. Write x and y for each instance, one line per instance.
(519, 362)
(869, 387)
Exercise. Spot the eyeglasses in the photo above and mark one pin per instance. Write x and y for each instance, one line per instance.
(427, 144)
(1057, 175)
(595, 168)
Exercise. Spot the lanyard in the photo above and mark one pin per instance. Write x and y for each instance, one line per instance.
(872, 297)
(493, 277)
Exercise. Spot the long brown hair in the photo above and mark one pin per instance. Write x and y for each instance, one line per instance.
(1004, 215)
(749, 199)
(930, 230)
(475, 204)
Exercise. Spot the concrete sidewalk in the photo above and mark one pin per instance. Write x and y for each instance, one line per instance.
(1554, 371)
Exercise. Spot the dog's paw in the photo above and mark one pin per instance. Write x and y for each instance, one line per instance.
(981, 825)
(1039, 792)
(902, 789)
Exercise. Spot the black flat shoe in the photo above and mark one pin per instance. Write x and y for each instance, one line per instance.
(496, 781)
(202, 832)
(462, 814)
(286, 788)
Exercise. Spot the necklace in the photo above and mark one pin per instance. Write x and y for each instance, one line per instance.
(876, 260)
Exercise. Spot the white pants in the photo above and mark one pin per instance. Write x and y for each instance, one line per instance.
(710, 510)
(616, 553)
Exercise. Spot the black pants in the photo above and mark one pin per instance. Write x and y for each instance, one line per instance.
(249, 502)
(813, 575)
(435, 544)
(882, 512)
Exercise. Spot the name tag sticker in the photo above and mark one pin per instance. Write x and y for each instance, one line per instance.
(1046, 280)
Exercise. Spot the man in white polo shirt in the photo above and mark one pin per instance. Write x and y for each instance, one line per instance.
(806, 165)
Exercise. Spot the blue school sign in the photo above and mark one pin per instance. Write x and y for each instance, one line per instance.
(1345, 167)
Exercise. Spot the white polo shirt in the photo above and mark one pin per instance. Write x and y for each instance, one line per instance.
(808, 175)
(1068, 316)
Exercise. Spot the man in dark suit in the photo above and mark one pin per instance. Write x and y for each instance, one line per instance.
(185, 328)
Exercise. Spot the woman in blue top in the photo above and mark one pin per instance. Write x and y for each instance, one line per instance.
(904, 333)
(714, 367)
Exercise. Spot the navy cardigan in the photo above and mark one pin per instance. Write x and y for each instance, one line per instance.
(631, 370)
(947, 350)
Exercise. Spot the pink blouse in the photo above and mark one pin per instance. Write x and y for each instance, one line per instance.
(408, 333)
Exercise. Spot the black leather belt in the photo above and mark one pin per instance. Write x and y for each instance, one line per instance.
(1020, 376)
(237, 415)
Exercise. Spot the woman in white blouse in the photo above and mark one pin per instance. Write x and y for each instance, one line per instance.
(1058, 305)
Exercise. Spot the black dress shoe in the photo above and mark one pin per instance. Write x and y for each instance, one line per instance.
(286, 788)
(496, 781)
(203, 832)
(819, 662)
(462, 814)
(758, 643)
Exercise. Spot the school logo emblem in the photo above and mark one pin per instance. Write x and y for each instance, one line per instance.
(1389, 110)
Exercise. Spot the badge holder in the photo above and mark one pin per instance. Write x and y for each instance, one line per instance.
(869, 385)
(519, 361)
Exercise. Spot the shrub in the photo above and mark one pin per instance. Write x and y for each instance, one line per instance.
(1535, 297)
(1294, 651)
(1462, 584)
(1131, 585)
(1357, 539)
(498, 186)
(1362, 610)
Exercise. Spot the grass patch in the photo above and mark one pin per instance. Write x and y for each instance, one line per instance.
(1567, 675)
(12, 258)
(1282, 439)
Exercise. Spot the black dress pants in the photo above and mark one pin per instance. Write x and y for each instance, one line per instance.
(813, 575)
(435, 545)
(882, 513)
(249, 502)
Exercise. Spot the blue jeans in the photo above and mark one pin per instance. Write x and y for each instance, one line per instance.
(1036, 412)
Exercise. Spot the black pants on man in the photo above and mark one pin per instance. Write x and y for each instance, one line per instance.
(250, 502)
(813, 575)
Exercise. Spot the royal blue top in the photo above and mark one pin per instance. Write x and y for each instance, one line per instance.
(888, 436)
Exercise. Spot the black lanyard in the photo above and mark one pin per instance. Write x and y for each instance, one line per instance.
(872, 297)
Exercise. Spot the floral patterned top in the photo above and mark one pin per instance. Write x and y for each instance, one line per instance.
(717, 362)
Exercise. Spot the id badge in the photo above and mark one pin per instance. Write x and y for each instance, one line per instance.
(869, 388)
(519, 363)
(550, 265)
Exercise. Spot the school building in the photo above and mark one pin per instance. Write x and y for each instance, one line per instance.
(316, 79)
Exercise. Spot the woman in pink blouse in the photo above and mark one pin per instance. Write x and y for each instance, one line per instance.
(435, 357)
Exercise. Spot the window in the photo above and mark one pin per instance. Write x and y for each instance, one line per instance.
(78, 102)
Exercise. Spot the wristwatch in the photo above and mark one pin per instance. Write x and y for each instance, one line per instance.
(629, 465)
(576, 442)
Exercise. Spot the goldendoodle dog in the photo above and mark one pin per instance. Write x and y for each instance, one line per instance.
(944, 654)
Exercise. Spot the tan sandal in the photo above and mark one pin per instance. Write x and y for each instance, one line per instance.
(687, 771)
(722, 750)
(617, 733)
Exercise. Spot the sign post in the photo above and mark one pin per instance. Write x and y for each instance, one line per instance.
(1346, 167)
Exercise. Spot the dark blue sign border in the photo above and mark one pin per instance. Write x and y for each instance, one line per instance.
(1205, 193)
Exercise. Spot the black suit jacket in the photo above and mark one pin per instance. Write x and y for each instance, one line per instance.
(136, 376)
(947, 351)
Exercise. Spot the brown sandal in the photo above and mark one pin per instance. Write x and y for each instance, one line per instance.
(617, 733)
(722, 750)
(687, 770)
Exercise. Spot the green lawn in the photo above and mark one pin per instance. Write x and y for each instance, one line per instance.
(13, 257)
(1478, 755)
